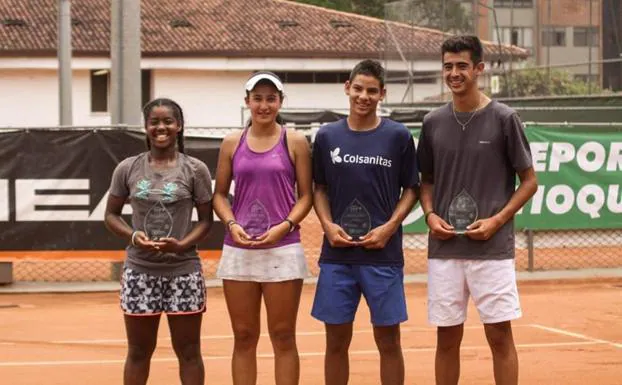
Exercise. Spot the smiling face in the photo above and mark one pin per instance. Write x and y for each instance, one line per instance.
(162, 127)
(364, 92)
(460, 72)
(264, 103)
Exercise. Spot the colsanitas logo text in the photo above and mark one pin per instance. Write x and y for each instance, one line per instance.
(358, 159)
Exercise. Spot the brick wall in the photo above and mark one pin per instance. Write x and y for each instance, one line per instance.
(569, 12)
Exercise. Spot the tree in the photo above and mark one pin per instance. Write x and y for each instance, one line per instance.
(444, 15)
(536, 82)
(340, 5)
(447, 15)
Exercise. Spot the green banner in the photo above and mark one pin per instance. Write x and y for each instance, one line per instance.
(579, 171)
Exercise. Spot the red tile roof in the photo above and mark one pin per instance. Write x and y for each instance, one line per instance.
(242, 28)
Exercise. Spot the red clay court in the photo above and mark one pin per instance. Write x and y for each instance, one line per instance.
(570, 334)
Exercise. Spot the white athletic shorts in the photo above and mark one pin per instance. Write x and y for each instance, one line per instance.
(278, 264)
(491, 284)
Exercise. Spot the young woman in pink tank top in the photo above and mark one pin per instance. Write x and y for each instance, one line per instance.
(262, 255)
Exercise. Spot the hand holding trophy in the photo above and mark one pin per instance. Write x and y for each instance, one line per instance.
(462, 212)
(355, 220)
(254, 220)
(158, 222)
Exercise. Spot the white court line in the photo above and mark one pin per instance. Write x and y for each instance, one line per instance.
(404, 329)
(576, 335)
(269, 355)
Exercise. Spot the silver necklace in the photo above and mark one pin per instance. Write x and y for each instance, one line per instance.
(463, 125)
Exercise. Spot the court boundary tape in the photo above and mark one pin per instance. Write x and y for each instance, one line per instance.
(583, 341)
(576, 335)
(270, 355)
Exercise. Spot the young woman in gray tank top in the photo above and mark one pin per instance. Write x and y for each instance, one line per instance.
(262, 254)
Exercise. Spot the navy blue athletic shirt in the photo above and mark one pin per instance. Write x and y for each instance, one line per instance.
(371, 167)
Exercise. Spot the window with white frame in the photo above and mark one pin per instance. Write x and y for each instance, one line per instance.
(100, 89)
(314, 76)
(100, 83)
(513, 3)
(554, 36)
(518, 36)
(586, 36)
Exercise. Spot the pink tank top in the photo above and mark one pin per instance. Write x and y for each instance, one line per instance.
(264, 192)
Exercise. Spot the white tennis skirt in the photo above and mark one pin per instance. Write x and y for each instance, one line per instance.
(278, 264)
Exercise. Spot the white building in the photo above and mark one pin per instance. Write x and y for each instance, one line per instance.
(201, 55)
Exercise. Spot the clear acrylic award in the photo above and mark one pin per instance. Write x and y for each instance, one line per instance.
(254, 218)
(355, 220)
(158, 222)
(462, 211)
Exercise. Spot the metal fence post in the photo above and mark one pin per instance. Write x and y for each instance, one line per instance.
(116, 271)
(530, 254)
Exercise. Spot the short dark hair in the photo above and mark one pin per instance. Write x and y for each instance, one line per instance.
(177, 113)
(371, 68)
(460, 43)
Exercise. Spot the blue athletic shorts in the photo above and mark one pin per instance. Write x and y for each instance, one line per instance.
(339, 290)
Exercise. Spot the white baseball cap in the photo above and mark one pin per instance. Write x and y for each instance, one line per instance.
(263, 75)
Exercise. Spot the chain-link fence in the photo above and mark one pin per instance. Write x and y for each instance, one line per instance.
(574, 46)
(535, 251)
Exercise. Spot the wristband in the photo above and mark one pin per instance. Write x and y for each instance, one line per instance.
(230, 223)
(133, 240)
(291, 223)
(425, 217)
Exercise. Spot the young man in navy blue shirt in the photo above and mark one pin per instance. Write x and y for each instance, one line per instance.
(366, 183)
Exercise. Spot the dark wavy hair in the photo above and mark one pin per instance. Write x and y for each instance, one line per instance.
(457, 44)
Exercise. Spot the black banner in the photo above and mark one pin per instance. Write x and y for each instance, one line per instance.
(53, 187)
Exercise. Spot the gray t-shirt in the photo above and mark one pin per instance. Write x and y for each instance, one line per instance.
(483, 160)
(156, 193)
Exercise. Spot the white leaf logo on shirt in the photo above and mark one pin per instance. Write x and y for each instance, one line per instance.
(334, 155)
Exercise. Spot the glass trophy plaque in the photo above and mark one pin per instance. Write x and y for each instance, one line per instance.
(462, 212)
(355, 220)
(254, 218)
(158, 222)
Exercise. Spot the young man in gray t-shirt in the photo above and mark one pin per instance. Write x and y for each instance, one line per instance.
(469, 154)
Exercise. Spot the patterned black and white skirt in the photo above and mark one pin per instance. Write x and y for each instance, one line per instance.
(145, 294)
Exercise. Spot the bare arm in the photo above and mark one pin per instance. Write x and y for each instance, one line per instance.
(304, 184)
(439, 228)
(485, 228)
(378, 237)
(526, 189)
(198, 232)
(427, 192)
(224, 174)
(113, 220)
(321, 205)
(117, 225)
(335, 235)
(404, 207)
